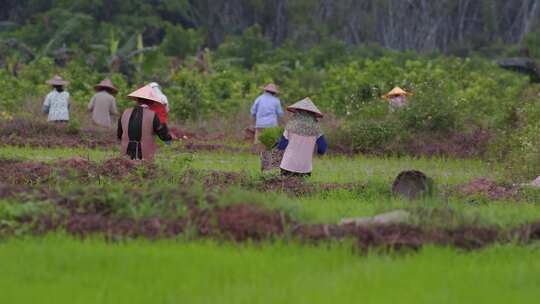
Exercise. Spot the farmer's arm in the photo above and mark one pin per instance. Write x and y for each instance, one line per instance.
(283, 141)
(279, 112)
(113, 109)
(254, 109)
(161, 130)
(91, 104)
(46, 104)
(321, 145)
(119, 131)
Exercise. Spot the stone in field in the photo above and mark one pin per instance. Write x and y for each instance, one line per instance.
(412, 185)
(392, 217)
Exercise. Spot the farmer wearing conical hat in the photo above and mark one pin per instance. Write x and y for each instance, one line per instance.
(103, 104)
(266, 110)
(160, 108)
(56, 103)
(138, 125)
(397, 98)
(302, 133)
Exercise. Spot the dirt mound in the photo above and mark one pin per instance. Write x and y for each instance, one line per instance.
(181, 134)
(245, 222)
(249, 222)
(491, 189)
(295, 186)
(24, 172)
(8, 190)
(21, 172)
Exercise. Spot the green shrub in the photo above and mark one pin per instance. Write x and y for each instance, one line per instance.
(73, 126)
(269, 137)
(368, 135)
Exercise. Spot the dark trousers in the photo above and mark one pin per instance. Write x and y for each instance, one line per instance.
(294, 174)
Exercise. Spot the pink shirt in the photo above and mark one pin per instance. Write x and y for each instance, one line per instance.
(298, 156)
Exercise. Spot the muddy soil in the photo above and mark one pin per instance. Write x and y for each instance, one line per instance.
(249, 222)
(26, 172)
(488, 188)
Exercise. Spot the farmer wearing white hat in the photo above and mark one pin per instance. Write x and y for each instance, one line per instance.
(397, 98)
(266, 110)
(300, 137)
(103, 104)
(138, 125)
(56, 103)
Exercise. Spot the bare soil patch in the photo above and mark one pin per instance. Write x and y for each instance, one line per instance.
(489, 188)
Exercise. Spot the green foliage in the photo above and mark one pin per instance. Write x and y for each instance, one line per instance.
(269, 137)
(180, 42)
(532, 41)
(250, 48)
(367, 136)
(73, 126)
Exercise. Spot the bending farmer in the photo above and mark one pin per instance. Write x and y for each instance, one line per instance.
(138, 125)
(302, 133)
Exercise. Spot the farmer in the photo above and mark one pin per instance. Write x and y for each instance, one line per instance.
(138, 125)
(397, 98)
(160, 108)
(266, 111)
(56, 103)
(103, 104)
(302, 133)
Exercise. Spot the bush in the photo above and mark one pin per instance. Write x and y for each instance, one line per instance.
(368, 136)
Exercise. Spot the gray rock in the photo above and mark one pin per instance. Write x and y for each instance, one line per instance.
(392, 217)
(412, 185)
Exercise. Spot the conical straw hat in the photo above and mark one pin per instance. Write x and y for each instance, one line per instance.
(271, 88)
(307, 105)
(57, 81)
(106, 84)
(146, 93)
(397, 91)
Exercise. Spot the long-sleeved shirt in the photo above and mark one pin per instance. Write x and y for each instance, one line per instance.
(135, 131)
(266, 109)
(103, 105)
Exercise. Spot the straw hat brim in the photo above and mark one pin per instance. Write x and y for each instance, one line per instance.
(294, 110)
(388, 95)
(271, 88)
(99, 86)
(55, 82)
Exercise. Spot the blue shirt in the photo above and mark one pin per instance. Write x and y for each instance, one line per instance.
(266, 109)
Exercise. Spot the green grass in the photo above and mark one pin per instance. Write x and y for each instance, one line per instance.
(59, 270)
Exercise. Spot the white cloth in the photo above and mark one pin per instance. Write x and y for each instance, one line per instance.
(164, 100)
(57, 105)
(298, 156)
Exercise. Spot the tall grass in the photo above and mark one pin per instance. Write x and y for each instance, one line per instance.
(59, 270)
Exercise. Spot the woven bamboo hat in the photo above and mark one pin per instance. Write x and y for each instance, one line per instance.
(397, 91)
(146, 93)
(57, 81)
(272, 88)
(307, 105)
(106, 84)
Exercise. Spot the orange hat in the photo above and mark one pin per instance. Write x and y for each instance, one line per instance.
(57, 81)
(307, 105)
(272, 88)
(397, 91)
(106, 84)
(146, 93)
